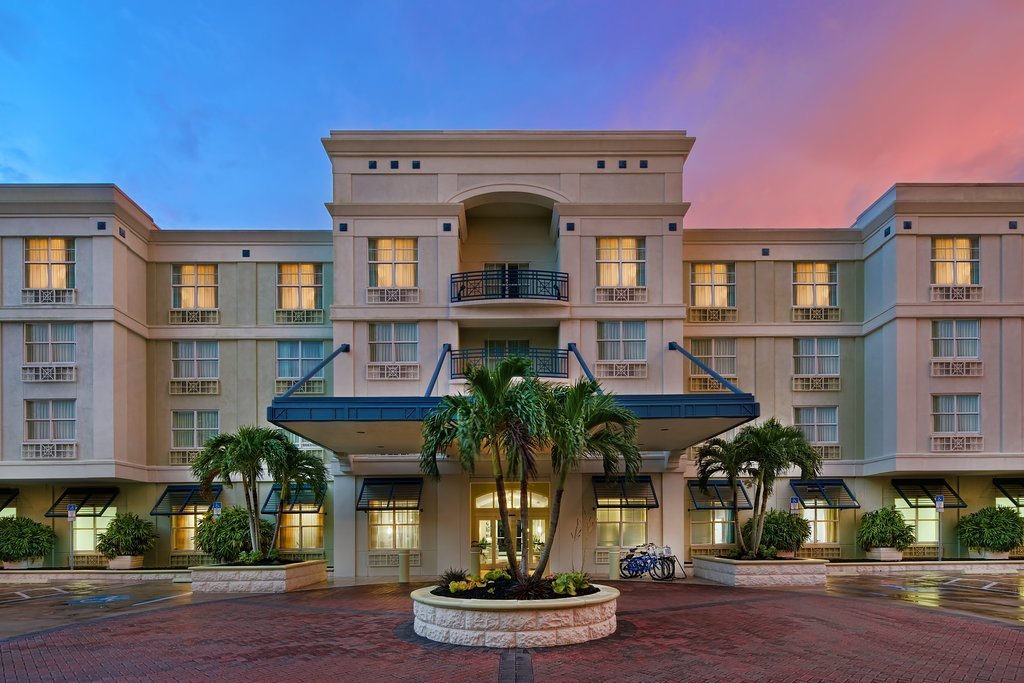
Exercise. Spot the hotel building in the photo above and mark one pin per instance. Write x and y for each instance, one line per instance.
(894, 344)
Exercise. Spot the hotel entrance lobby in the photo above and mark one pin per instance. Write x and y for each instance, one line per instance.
(486, 529)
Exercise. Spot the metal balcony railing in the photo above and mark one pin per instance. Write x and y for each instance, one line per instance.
(546, 362)
(491, 285)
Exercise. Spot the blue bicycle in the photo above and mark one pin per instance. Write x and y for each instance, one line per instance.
(649, 559)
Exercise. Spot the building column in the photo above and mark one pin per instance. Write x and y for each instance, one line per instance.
(345, 551)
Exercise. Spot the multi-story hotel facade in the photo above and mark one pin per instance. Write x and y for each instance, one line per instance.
(894, 344)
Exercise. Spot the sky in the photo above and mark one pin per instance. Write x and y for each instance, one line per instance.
(210, 114)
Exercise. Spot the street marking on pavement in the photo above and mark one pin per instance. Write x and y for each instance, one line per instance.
(169, 597)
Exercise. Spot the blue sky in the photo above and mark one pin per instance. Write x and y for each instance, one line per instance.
(210, 114)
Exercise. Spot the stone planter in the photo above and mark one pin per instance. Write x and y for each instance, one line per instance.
(884, 554)
(802, 572)
(125, 562)
(257, 579)
(786, 554)
(990, 554)
(515, 623)
(18, 564)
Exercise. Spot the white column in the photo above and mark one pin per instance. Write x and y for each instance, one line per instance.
(345, 517)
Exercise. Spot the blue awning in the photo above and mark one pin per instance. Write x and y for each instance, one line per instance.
(185, 499)
(718, 496)
(91, 501)
(618, 492)
(7, 497)
(920, 493)
(824, 493)
(305, 498)
(390, 494)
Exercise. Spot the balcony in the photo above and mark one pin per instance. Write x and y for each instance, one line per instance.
(956, 292)
(957, 443)
(194, 316)
(702, 384)
(209, 387)
(181, 456)
(620, 369)
(386, 371)
(817, 383)
(620, 295)
(48, 373)
(956, 367)
(828, 451)
(711, 315)
(503, 285)
(48, 296)
(392, 295)
(546, 362)
(816, 314)
(49, 450)
(298, 316)
(313, 387)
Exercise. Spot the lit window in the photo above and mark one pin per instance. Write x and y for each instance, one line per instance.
(190, 429)
(300, 286)
(9, 512)
(183, 528)
(815, 284)
(49, 263)
(195, 359)
(619, 526)
(718, 353)
(956, 414)
(712, 527)
(296, 358)
(394, 529)
(622, 340)
(88, 529)
(194, 286)
(50, 420)
(1001, 502)
(393, 262)
(925, 521)
(956, 339)
(955, 261)
(820, 424)
(302, 529)
(48, 343)
(816, 356)
(824, 523)
(394, 342)
(621, 262)
(713, 285)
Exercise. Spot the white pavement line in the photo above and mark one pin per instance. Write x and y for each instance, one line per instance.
(169, 597)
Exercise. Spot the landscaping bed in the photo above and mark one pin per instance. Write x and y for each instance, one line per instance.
(507, 589)
(280, 578)
(760, 573)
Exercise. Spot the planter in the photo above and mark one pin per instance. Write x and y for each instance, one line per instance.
(515, 623)
(19, 564)
(802, 572)
(125, 562)
(258, 579)
(990, 554)
(786, 554)
(884, 554)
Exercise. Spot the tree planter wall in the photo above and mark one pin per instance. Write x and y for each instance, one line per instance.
(125, 562)
(884, 554)
(800, 572)
(515, 623)
(258, 579)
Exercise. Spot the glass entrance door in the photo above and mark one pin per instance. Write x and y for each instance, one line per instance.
(487, 531)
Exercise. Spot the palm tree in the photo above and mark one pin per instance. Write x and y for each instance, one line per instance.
(584, 423)
(503, 417)
(294, 470)
(718, 457)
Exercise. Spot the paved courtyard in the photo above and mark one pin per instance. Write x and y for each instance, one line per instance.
(855, 631)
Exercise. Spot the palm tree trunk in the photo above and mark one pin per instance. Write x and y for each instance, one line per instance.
(253, 538)
(510, 551)
(759, 503)
(556, 508)
(764, 513)
(524, 519)
(277, 520)
(736, 517)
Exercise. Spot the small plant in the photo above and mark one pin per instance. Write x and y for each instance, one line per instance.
(885, 528)
(496, 574)
(252, 557)
(469, 584)
(24, 539)
(994, 529)
(226, 537)
(127, 534)
(483, 544)
(569, 583)
(783, 531)
(451, 575)
(533, 588)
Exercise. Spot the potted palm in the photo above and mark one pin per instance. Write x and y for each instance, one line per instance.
(993, 532)
(884, 535)
(783, 532)
(127, 538)
(23, 540)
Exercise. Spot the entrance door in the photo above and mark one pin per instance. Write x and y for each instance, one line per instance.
(486, 524)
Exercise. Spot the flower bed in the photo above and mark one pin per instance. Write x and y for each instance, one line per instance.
(257, 578)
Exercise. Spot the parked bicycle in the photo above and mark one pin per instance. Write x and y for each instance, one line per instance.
(658, 562)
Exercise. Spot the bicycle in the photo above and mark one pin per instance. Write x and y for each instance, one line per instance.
(657, 562)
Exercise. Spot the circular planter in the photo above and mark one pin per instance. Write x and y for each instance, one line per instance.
(515, 623)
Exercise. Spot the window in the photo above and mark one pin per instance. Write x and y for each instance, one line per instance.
(816, 356)
(955, 261)
(300, 286)
(49, 263)
(718, 353)
(190, 429)
(302, 529)
(195, 360)
(712, 527)
(50, 420)
(824, 523)
(297, 358)
(621, 526)
(194, 286)
(820, 424)
(955, 338)
(815, 284)
(925, 521)
(394, 529)
(49, 343)
(713, 285)
(394, 342)
(621, 262)
(622, 340)
(183, 528)
(393, 262)
(88, 529)
(956, 414)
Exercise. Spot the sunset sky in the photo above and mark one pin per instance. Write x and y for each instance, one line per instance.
(210, 115)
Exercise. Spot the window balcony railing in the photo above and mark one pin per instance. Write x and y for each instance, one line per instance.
(194, 316)
(828, 451)
(956, 367)
(392, 295)
(620, 369)
(48, 296)
(207, 387)
(956, 292)
(817, 383)
(620, 295)
(711, 315)
(54, 372)
(313, 386)
(957, 443)
(546, 362)
(299, 316)
(816, 314)
(702, 384)
(184, 456)
(389, 558)
(496, 285)
(396, 371)
(49, 450)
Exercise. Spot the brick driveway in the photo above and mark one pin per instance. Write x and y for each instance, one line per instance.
(666, 633)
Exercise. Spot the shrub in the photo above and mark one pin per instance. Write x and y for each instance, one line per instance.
(783, 531)
(992, 528)
(127, 534)
(226, 537)
(24, 539)
(451, 574)
(569, 583)
(885, 528)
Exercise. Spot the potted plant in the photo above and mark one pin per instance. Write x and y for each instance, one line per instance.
(126, 540)
(992, 531)
(23, 540)
(783, 531)
(884, 535)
